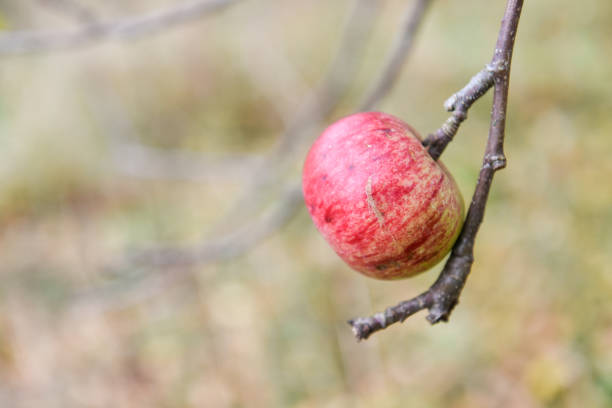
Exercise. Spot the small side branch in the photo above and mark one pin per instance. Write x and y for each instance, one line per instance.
(140, 267)
(459, 104)
(397, 57)
(443, 295)
(325, 99)
(154, 261)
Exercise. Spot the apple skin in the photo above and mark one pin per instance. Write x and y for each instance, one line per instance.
(383, 204)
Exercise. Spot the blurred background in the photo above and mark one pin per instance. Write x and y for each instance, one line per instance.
(154, 251)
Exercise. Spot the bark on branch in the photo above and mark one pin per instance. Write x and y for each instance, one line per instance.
(443, 295)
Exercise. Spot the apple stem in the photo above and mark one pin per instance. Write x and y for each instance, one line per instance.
(441, 298)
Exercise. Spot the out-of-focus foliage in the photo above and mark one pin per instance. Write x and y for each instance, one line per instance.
(534, 327)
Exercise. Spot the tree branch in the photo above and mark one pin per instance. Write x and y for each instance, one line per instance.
(459, 104)
(443, 295)
(320, 103)
(398, 55)
(328, 96)
(147, 270)
(227, 246)
(22, 42)
(286, 204)
(156, 260)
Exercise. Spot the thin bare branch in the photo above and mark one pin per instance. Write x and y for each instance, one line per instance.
(144, 272)
(396, 59)
(40, 41)
(459, 104)
(328, 94)
(152, 163)
(317, 106)
(226, 247)
(443, 295)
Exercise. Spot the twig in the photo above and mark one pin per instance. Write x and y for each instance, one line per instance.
(227, 246)
(443, 295)
(151, 277)
(328, 94)
(138, 160)
(144, 271)
(397, 57)
(459, 104)
(233, 244)
(38, 41)
(317, 106)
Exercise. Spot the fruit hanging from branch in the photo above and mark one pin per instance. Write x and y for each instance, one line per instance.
(384, 205)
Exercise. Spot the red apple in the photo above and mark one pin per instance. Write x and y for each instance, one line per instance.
(384, 205)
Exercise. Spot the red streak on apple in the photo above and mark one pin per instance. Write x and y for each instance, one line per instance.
(383, 204)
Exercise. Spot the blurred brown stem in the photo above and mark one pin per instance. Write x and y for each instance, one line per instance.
(288, 202)
(325, 99)
(397, 57)
(459, 104)
(443, 295)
